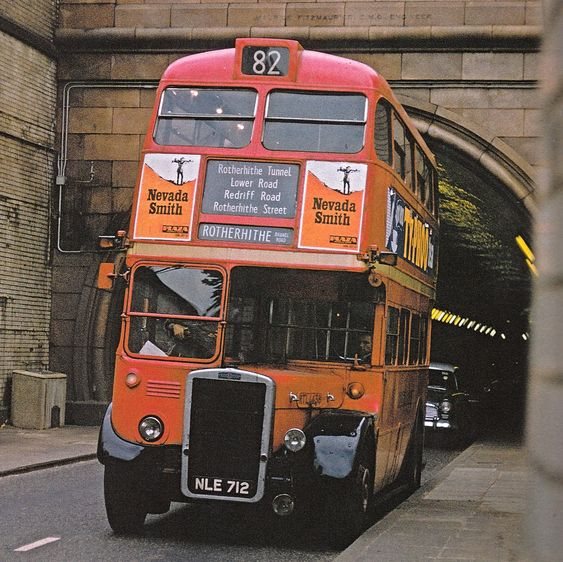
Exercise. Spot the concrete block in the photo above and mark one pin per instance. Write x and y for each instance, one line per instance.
(311, 15)
(531, 66)
(527, 149)
(84, 67)
(86, 17)
(421, 66)
(99, 201)
(75, 146)
(128, 120)
(434, 13)
(110, 97)
(147, 96)
(90, 120)
(121, 199)
(198, 15)
(374, 13)
(386, 64)
(263, 15)
(124, 173)
(534, 13)
(495, 13)
(111, 147)
(493, 66)
(138, 67)
(142, 15)
(533, 123)
(502, 122)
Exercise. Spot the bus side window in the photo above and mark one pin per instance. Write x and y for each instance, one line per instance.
(424, 178)
(383, 148)
(399, 156)
(392, 336)
(404, 328)
(402, 148)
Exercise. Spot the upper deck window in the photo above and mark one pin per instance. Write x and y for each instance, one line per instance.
(205, 117)
(402, 147)
(383, 138)
(315, 121)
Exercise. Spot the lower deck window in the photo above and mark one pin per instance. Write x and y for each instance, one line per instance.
(174, 311)
(278, 315)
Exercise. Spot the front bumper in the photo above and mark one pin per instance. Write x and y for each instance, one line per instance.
(158, 469)
(440, 424)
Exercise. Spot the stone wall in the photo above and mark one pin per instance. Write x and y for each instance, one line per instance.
(545, 415)
(27, 129)
(275, 13)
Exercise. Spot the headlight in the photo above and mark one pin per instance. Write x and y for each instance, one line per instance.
(151, 428)
(294, 440)
(445, 407)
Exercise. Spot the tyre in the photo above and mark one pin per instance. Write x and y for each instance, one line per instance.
(126, 504)
(412, 469)
(347, 509)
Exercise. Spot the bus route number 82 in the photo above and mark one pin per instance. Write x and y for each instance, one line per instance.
(265, 61)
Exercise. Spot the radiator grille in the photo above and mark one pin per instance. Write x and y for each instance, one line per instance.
(225, 436)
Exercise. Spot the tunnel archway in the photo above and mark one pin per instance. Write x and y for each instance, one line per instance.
(482, 274)
(484, 285)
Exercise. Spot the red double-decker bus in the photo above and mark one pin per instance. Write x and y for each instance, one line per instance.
(280, 269)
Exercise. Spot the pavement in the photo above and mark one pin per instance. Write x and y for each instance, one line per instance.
(471, 510)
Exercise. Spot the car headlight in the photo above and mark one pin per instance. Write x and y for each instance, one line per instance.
(151, 428)
(445, 406)
(294, 440)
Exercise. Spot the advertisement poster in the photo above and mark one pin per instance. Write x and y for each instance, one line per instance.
(333, 204)
(407, 235)
(165, 206)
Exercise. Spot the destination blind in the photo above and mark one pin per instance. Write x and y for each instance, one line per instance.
(250, 189)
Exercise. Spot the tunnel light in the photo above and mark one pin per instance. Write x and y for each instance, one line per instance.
(525, 249)
(503, 336)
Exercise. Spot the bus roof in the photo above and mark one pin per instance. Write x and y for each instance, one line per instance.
(307, 69)
(313, 69)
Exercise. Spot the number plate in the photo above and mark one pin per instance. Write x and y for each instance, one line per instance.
(210, 486)
(265, 61)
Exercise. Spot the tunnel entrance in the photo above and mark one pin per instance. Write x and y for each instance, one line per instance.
(484, 283)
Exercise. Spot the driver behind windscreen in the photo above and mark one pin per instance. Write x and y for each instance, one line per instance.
(187, 339)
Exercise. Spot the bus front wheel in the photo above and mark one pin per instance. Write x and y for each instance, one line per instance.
(126, 504)
(347, 512)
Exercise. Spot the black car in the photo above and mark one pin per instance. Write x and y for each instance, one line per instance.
(449, 408)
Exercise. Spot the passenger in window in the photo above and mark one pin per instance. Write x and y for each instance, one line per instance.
(365, 344)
